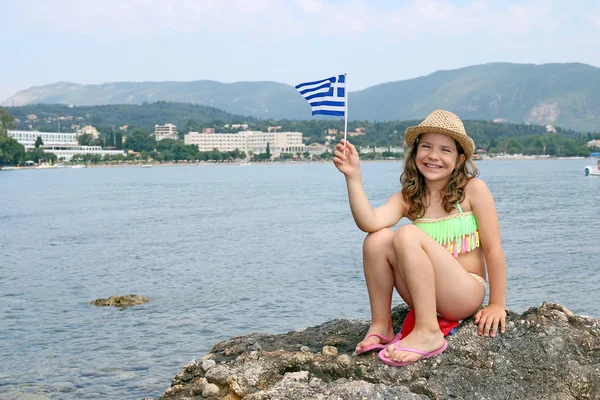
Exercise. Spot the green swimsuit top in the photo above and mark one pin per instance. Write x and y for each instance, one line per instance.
(456, 232)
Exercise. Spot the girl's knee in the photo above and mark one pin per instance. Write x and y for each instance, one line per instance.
(375, 242)
(405, 236)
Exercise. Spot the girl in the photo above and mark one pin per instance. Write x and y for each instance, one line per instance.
(438, 264)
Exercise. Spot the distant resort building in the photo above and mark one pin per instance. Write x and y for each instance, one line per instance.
(253, 141)
(593, 143)
(87, 130)
(168, 131)
(236, 126)
(63, 145)
(358, 132)
(368, 149)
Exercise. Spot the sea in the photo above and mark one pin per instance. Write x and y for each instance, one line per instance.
(228, 250)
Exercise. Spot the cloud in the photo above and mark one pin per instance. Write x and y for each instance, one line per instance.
(310, 6)
(437, 17)
(282, 19)
(136, 18)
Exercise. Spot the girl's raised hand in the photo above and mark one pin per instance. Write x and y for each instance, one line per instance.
(346, 160)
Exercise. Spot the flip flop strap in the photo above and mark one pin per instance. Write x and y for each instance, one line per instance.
(380, 337)
(416, 351)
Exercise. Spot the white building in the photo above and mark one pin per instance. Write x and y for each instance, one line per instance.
(168, 131)
(246, 141)
(88, 130)
(593, 143)
(64, 145)
(368, 149)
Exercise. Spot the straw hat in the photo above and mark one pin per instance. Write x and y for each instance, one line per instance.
(446, 123)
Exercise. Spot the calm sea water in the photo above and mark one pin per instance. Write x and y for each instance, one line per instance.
(229, 250)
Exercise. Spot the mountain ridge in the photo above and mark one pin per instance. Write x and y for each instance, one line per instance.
(565, 94)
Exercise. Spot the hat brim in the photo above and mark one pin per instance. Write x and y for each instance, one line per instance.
(411, 134)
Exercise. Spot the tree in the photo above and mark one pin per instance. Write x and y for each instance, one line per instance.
(85, 139)
(111, 139)
(119, 140)
(7, 121)
(38, 142)
(11, 151)
(268, 152)
(326, 155)
(39, 155)
(139, 140)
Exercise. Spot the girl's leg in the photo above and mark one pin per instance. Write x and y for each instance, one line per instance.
(379, 260)
(436, 282)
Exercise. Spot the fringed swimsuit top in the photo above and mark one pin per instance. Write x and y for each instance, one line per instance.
(456, 232)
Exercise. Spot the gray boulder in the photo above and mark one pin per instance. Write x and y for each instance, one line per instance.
(546, 353)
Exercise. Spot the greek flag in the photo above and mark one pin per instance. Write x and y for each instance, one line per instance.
(327, 96)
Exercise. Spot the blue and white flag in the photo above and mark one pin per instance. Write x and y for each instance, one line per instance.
(327, 96)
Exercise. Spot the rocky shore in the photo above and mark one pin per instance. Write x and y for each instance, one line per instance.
(546, 353)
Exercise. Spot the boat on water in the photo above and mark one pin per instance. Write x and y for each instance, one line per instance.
(7, 168)
(593, 170)
(78, 166)
(245, 163)
(147, 166)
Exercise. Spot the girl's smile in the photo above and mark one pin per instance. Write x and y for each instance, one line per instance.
(436, 156)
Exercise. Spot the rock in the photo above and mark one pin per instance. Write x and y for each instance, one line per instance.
(121, 301)
(207, 364)
(330, 351)
(546, 353)
(210, 390)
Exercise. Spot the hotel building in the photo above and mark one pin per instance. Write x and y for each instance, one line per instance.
(168, 131)
(63, 145)
(254, 141)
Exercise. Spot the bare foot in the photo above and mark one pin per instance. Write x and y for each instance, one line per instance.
(371, 338)
(426, 341)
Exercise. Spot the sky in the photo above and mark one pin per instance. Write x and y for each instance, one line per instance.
(288, 41)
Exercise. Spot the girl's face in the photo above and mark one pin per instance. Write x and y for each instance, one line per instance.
(437, 156)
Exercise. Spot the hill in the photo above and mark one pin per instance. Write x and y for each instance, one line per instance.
(257, 99)
(567, 95)
(46, 117)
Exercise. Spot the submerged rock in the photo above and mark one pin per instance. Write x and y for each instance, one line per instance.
(546, 353)
(121, 301)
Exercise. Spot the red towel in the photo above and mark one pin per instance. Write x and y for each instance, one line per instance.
(447, 327)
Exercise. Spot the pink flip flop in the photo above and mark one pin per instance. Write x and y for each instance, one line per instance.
(424, 354)
(378, 346)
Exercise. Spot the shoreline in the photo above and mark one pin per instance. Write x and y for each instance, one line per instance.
(202, 164)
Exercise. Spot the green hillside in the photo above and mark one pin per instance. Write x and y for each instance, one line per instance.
(566, 95)
(257, 99)
(140, 120)
(186, 116)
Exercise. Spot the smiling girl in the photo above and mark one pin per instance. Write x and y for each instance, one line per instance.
(440, 262)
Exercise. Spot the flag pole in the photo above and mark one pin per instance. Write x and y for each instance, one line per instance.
(345, 108)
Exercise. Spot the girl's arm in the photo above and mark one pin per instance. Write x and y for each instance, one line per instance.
(484, 208)
(367, 219)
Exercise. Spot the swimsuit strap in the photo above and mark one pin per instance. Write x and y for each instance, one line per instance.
(458, 207)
